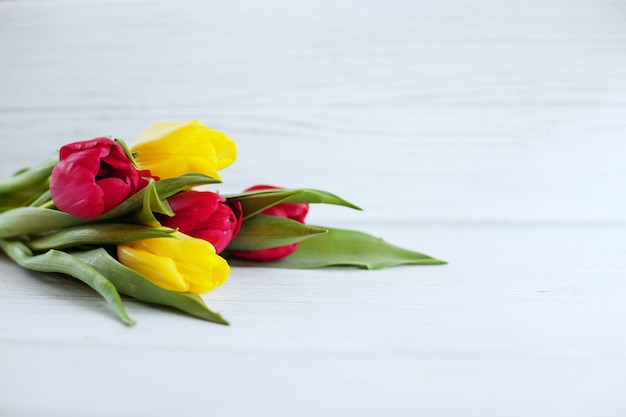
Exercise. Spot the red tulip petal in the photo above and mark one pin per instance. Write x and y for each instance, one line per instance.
(114, 192)
(219, 238)
(235, 206)
(266, 255)
(203, 215)
(206, 201)
(74, 191)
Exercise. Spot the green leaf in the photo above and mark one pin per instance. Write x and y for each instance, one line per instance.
(262, 231)
(169, 186)
(19, 198)
(157, 203)
(131, 283)
(151, 204)
(61, 262)
(97, 234)
(30, 220)
(127, 151)
(29, 178)
(256, 201)
(341, 247)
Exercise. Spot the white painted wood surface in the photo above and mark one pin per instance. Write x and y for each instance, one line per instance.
(487, 133)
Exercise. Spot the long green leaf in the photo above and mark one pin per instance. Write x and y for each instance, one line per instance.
(19, 198)
(30, 220)
(256, 201)
(348, 248)
(29, 178)
(135, 285)
(61, 262)
(262, 231)
(97, 234)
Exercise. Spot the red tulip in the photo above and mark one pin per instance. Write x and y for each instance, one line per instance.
(204, 215)
(94, 176)
(293, 211)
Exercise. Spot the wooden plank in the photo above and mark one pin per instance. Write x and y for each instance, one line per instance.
(521, 322)
(503, 111)
(486, 133)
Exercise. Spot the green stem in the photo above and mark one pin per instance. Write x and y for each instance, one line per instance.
(43, 201)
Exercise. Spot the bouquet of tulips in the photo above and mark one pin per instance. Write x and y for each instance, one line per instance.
(140, 220)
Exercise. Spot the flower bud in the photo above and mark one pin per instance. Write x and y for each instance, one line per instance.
(182, 263)
(92, 177)
(171, 149)
(204, 215)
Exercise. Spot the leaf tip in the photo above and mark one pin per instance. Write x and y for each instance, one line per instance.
(217, 318)
(128, 321)
(434, 261)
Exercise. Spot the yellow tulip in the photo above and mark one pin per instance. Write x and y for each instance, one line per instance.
(170, 149)
(182, 263)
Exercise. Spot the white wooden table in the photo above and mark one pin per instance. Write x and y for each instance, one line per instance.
(489, 133)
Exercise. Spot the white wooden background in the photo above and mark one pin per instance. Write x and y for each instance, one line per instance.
(489, 133)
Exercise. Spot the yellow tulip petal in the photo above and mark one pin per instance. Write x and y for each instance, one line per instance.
(180, 264)
(170, 149)
(160, 270)
(202, 279)
(198, 263)
(162, 129)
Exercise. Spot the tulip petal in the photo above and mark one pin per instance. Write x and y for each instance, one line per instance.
(218, 272)
(74, 191)
(114, 191)
(116, 158)
(266, 255)
(198, 263)
(204, 215)
(181, 264)
(157, 130)
(219, 238)
(86, 153)
(170, 149)
(160, 270)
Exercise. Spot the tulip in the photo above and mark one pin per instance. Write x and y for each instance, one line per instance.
(293, 211)
(171, 149)
(94, 176)
(204, 215)
(181, 263)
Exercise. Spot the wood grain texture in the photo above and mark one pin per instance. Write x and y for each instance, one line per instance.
(488, 133)
(521, 322)
(485, 111)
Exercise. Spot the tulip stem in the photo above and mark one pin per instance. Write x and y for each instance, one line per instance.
(48, 204)
(43, 201)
